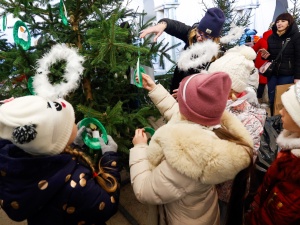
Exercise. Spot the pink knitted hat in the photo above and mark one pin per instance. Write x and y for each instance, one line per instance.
(202, 97)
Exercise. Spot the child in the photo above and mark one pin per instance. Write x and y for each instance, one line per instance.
(242, 102)
(200, 146)
(277, 200)
(43, 180)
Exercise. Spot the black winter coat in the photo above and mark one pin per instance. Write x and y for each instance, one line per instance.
(182, 32)
(289, 62)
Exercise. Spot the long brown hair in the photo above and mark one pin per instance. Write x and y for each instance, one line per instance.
(235, 210)
(105, 180)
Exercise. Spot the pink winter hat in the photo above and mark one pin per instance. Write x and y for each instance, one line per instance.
(202, 97)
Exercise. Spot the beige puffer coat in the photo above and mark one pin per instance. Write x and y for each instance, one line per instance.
(183, 161)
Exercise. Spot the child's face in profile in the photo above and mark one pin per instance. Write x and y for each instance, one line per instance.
(288, 122)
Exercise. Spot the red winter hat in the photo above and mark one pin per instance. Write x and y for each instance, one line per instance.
(202, 97)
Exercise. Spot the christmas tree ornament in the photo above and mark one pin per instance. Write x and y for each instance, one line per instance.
(149, 130)
(4, 22)
(30, 86)
(92, 139)
(138, 73)
(73, 70)
(63, 13)
(21, 35)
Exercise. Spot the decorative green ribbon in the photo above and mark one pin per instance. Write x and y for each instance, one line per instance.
(4, 22)
(24, 44)
(63, 13)
(30, 85)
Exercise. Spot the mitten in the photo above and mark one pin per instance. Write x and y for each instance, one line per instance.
(78, 140)
(111, 145)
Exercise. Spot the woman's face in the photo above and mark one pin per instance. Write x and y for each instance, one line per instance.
(201, 36)
(287, 122)
(282, 25)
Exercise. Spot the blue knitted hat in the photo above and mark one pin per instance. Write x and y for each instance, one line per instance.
(212, 22)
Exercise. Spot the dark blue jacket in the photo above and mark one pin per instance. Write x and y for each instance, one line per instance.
(54, 190)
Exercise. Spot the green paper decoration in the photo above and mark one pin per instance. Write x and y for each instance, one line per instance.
(30, 85)
(24, 44)
(4, 22)
(140, 70)
(149, 130)
(63, 13)
(90, 141)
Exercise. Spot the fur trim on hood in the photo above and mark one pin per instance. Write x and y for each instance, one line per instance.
(289, 141)
(197, 152)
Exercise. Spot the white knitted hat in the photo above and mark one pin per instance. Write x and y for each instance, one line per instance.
(37, 126)
(238, 63)
(291, 102)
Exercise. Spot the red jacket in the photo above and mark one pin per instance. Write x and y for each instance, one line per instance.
(259, 61)
(278, 199)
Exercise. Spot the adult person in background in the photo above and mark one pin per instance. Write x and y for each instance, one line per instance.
(209, 28)
(262, 43)
(288, 66)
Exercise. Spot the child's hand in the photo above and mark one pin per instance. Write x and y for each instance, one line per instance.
(148, 83)
(140, 137)
(264, 53)
(111, 145)
(174, 94)
(78, 140)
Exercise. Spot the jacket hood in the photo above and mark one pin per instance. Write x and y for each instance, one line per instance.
(196, 152)
(267, 34)
(24, 176)
(289, 141)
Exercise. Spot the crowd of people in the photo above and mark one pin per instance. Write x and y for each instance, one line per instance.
(196, 168)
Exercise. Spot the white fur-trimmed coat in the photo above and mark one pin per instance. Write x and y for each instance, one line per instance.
(183, 161)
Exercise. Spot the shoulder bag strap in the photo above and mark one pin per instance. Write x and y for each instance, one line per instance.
(283, 47)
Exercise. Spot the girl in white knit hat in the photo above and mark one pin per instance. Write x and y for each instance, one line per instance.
(42, 179)
(242, 102)
(277, 201)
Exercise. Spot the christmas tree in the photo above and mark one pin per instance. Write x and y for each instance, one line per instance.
(106, 34)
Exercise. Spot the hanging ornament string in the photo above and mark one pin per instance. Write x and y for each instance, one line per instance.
(4, 22)
(21, 35)
(63, 13)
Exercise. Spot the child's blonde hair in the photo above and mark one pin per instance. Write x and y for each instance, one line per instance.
(105, 180)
